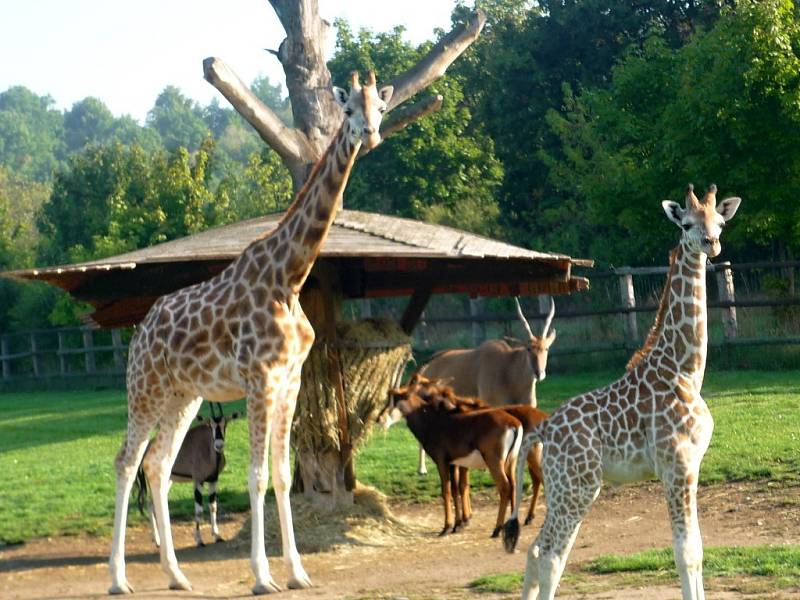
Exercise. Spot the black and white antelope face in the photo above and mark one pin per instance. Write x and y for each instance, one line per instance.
(217, 424)
(702, 222)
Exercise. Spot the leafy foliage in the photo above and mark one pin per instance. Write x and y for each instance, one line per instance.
(441, 168)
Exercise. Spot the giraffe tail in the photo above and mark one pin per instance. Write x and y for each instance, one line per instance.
(141, 490)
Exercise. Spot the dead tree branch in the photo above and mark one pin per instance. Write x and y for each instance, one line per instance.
(404, 116)
(290, 144)
(435, 63)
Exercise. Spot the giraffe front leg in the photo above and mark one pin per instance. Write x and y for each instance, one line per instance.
(212, 511)
(260, 407)
(686, 540)
(298, 578)
(157, 466)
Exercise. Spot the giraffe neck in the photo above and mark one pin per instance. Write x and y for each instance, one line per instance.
(684, 335)
(294, 245)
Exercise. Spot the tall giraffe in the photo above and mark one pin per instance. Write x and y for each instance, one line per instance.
(242, 333)
(651, 422)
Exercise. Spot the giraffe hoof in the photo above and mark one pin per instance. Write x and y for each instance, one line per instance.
(124, 588)
(496, 532)
(180, 584)
(219, 540)
(299, 583)
(444, 531)
(269, 587)
(201, 544)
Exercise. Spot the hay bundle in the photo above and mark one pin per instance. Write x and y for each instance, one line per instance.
(372, 354)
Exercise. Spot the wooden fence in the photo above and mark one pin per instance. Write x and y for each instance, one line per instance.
(80, 352)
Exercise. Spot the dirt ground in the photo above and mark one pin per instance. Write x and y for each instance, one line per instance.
(402, 558)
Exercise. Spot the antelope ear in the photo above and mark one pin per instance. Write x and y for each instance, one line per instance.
(385, 93)
(728, 207)
(340, 95)
(674, 212)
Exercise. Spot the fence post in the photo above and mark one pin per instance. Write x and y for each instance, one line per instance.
(62, 359)
(35, 357)
(3, 355)
(629, 301)
(116, 341)
(478, 327)
(724, 276)
(88, 346)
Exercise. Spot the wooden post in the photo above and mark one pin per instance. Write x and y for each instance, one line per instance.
(62, 359)
(478, 328)
(88, 346)
(724, 275)
(629, 301)
(116, 341)
(366, 308)
(35, 357)
(3, 356)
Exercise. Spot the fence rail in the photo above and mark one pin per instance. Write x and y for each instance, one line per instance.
(72, 352)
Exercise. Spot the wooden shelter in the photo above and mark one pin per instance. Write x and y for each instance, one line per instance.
(365, 255)
(371, 255)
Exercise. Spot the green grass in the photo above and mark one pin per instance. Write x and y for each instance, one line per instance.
(779, 564)
(57, 451)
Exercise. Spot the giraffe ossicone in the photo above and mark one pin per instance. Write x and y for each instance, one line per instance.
(241, 333)
(652, 422)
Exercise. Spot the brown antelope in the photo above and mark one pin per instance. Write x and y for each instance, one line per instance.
(496, 372)
(200, 460)
(529, 417)
(484, 439)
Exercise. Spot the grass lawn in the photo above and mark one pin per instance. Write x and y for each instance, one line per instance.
(57, 450)
(780, 564)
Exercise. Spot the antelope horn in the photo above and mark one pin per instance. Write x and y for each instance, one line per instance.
(522, 318)
(354, 84)
(371, 78)
(711, 195)
(691, 200)
(549, 319)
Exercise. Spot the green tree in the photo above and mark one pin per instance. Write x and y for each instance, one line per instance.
(31, 133)
(715, 110)
(262, 186)
(88, 122)
(441, 168)
(115, 198)
(178, 120)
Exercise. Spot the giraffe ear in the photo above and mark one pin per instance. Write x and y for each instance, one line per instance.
(340, 95)
(728, 207)
(674, 212)
(385, 93)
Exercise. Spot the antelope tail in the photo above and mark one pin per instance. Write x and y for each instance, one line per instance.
(511, 528)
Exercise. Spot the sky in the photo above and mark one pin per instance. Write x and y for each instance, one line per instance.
(126, 53)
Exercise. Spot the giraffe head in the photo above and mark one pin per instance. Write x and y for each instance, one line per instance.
(702, 222)
(364, 108)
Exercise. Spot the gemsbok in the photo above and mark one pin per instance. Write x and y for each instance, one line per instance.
(200, 460)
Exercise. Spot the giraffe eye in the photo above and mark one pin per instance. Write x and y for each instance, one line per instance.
(348, 112)
(686, 226)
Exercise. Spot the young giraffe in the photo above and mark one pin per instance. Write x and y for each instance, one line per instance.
(242, 333)
(650, 422)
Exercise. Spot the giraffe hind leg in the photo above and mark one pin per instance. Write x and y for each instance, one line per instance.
(126, 464)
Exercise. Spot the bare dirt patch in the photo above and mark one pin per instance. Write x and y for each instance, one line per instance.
(368, 555)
